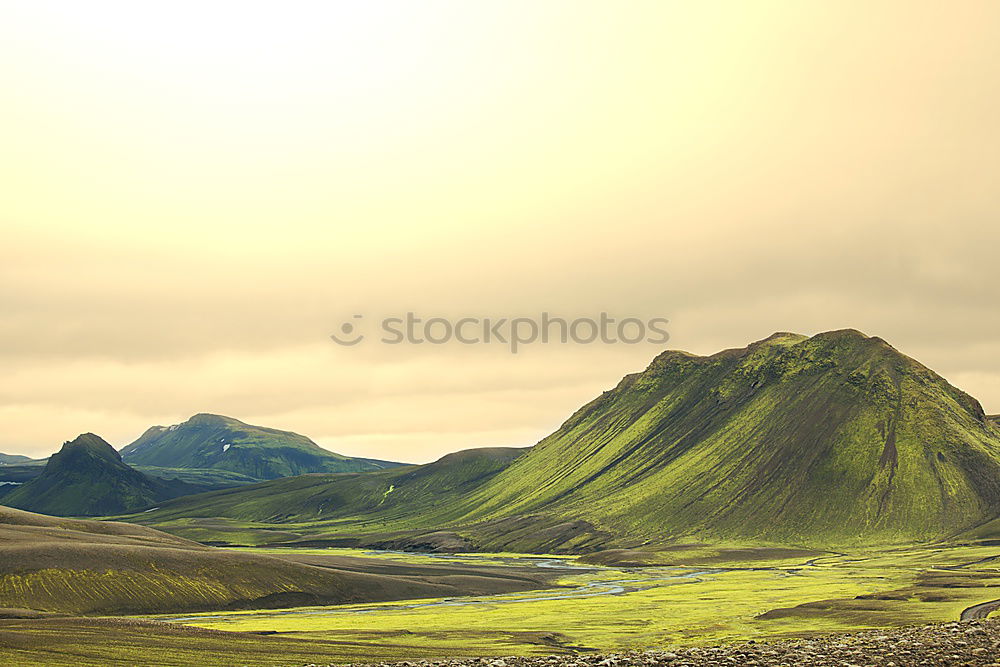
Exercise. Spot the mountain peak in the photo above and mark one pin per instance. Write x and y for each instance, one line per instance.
(847, 333)
(782, 338)
(785, 351)
(85, 478)
(205, 418)
(88, 444)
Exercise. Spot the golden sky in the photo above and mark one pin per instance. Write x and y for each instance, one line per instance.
(195, 195)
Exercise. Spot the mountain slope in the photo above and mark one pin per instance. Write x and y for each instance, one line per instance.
(86, 478)
(834, 439)
(223, 443)
(377, 498)
(838, 439)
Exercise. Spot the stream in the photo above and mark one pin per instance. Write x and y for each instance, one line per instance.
(615, 584)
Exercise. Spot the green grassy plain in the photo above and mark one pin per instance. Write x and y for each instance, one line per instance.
(595, 608)
(659, 607)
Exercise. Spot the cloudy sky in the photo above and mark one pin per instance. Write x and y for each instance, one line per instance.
(195, 197)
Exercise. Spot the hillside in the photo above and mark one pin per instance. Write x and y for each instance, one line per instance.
(834, 439)
(838, 439)
(95, 567)
(180, 481)
(199, 479)
(86, 478)
(222, 443)
(14, 459)
(398, 495)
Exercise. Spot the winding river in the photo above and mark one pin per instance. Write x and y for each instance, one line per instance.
(641, 579)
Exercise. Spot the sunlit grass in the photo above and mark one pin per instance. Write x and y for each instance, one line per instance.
(660, 606)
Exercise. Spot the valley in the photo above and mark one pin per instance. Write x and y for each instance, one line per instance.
(572, 333)
(584, 609)
(612, 609)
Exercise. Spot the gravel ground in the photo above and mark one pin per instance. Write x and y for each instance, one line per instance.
(969, 643)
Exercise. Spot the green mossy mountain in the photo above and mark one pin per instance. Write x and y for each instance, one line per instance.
(86, 478)
(837, 439)
(831, 440)
(223, 443)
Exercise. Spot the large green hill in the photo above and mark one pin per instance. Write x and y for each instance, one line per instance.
(224, 443)
(834, 439)
(838, 439)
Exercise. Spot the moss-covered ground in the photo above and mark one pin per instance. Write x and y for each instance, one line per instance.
(614, 608)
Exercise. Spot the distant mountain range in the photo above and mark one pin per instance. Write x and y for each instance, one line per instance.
(87, 477)
(215, 442)
(14, 459)
(837, 439)
(206, 453)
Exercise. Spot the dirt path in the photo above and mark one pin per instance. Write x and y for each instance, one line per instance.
(981, 610)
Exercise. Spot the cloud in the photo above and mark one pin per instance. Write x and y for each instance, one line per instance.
(182, 230)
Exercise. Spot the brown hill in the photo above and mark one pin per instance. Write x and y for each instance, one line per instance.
(92, 567)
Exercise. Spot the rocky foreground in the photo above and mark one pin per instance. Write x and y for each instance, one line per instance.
(954, 644)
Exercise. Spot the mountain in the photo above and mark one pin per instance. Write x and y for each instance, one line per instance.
(224, 443)
(14, 459)
(834, 440)
(86, 478)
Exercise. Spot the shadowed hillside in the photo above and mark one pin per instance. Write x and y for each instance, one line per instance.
(87, 478)
(181, 480)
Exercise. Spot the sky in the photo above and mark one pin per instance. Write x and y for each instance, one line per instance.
(196, 195)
